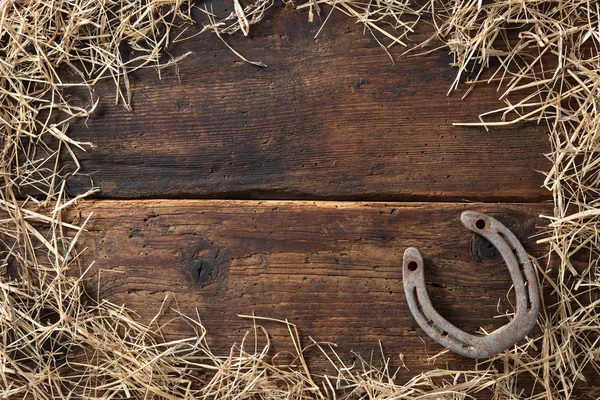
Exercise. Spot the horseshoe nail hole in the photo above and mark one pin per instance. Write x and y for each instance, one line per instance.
(480, 224)
(445, 334)
(412, 266)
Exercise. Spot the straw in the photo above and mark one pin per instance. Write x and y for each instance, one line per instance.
(58, 343)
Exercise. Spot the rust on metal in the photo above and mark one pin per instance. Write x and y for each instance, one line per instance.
(525, 286)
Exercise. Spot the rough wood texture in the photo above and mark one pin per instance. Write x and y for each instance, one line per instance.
(332, 268)
(330, 118)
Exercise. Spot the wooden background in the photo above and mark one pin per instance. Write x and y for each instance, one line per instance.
(293, 191)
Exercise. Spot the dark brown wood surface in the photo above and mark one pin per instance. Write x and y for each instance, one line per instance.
(332, 268)
(329, 118)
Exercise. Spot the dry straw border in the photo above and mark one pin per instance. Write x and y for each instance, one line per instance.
(57, 343)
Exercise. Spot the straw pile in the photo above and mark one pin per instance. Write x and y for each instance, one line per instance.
(57, 343)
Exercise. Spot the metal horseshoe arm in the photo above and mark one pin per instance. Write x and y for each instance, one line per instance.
(525, 286)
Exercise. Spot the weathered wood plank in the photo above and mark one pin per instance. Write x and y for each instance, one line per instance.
(330, 118)
(333, 268)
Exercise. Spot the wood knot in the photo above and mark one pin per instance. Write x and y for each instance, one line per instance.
(483, 251)
(200, 271)
(206, 265)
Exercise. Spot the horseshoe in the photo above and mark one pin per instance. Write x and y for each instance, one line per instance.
(524, 282)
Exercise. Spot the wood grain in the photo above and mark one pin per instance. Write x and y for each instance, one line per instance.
(330, 118)
(332, 268)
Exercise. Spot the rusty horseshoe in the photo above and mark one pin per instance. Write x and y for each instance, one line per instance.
(524, 282)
